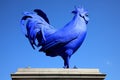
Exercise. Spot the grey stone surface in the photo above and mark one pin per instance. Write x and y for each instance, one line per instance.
(57, 74)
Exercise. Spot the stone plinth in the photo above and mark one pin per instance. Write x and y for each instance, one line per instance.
(57, 74)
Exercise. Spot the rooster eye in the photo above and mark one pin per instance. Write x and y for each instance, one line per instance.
(86, 14)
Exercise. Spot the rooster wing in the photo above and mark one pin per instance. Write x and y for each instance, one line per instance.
(61, 37)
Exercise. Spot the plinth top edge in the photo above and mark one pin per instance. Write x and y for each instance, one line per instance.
(57, 71)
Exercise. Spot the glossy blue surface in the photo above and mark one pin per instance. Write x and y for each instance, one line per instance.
(100, 48)
(63, 42)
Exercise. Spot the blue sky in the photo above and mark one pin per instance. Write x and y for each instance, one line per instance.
(101, 48)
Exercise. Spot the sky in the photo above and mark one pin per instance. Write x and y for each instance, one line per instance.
(101, 48)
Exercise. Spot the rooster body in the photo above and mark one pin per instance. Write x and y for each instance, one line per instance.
(63, 42)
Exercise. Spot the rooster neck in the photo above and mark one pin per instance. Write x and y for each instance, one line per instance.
(78, 19)
(75, 26)
(78, 22)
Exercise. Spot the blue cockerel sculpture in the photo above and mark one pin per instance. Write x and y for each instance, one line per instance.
(53, 42)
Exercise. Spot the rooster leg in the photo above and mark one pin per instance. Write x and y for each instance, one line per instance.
(66, 57)
(66, 61)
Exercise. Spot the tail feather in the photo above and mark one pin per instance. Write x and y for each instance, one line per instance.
(42, 14)
(31, 24)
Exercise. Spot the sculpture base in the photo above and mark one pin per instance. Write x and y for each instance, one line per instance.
(57, 74)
